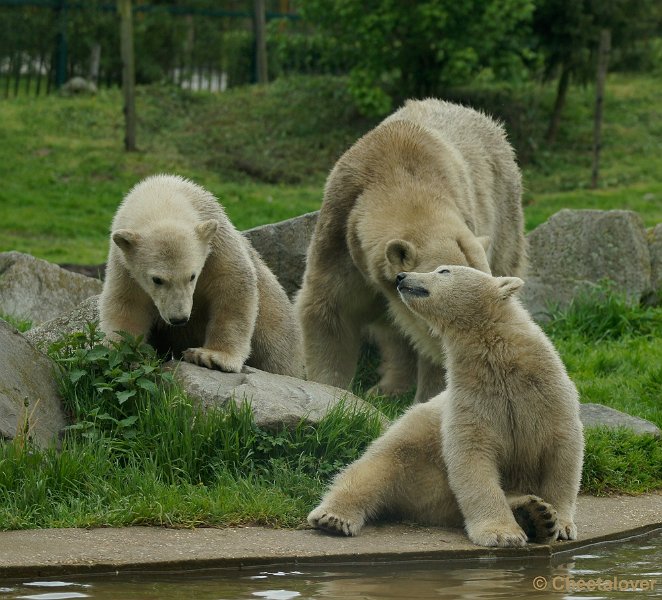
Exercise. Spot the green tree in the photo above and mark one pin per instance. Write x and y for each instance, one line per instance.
(413, 49)
(568, 33)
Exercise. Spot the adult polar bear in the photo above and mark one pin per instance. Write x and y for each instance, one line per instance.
(435, 183)
(500, 450)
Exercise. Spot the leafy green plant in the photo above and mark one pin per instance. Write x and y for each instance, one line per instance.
(104, 385)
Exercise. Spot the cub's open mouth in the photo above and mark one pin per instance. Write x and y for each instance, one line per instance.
(408, 290)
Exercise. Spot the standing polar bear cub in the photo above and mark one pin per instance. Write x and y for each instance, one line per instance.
(499, 451)
(434, 183)
(180, 274)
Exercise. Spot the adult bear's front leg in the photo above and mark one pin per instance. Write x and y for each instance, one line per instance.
(332, 308)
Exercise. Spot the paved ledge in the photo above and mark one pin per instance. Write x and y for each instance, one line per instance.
(56, 552)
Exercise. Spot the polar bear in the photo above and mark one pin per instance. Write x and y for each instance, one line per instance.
(180, 274)
(500, 450)
(434, 183)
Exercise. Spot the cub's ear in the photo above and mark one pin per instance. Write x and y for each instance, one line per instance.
(401, 255)
(507, 286)
(206, 230)
(125, 239)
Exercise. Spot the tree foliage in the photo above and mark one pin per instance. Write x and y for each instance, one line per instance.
(406, 49)
(567, 34)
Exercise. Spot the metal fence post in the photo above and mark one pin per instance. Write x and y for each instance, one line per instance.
(61, 52)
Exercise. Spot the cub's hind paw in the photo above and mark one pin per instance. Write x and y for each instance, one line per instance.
(332, 522)
(537, 518)
(567, 530)
(503, 535)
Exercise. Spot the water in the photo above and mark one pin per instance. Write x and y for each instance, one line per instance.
(636, 564)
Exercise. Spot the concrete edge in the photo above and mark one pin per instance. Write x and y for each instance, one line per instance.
(556, 551)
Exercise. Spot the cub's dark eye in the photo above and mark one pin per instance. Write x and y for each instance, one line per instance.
(192, 277)
(444, 272)
(157, 280)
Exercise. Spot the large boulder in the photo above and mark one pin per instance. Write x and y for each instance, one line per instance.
(277, 400)
(55, 329)
(37, 290)
(576, 249)
(27, 390)
(598, 415)
(283, 247)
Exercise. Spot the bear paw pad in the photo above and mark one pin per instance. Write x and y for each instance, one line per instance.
(332, 522)
(538, 519)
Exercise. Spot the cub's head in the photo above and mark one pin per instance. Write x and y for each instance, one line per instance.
(456, 296)
(166, 262)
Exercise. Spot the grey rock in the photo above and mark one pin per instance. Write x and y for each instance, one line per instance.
(39, 291)
(283, 247)
(78, 86)
(277, 400)
(596, 415)
(26, 375)
(55, 329)
(654, 235)
(576, 248)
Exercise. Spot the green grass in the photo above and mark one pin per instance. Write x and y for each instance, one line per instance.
(265, 152)
(140, 452)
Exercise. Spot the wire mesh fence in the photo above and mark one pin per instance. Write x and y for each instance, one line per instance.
(197, 44)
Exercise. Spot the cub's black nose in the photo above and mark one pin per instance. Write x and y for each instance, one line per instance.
(178, 322)
(399, 277)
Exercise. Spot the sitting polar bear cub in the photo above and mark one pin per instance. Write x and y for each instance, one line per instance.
(180, 274)
(500, 450)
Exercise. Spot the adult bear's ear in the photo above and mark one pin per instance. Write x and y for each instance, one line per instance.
(125, 239)
(484, 242)
(206, 230)
(475, 251)
(401, 255)
(507, 286)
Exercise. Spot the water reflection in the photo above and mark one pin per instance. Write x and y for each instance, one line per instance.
(606, 573)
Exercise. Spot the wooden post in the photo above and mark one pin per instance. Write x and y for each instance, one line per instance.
(128, 73)
(603, 63)
(260, 26)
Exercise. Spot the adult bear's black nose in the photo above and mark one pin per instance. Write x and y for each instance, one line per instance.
(399, 277)
(178, 322)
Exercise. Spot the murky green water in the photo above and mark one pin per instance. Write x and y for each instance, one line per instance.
(623, 570)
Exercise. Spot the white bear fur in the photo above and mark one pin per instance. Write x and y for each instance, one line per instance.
(175, 259)
(499, 451)
(434, 183)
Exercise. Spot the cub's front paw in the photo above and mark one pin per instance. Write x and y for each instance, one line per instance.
(213, 359)
(537, 518)
(503, 535)
(567, 529)
(335, 522)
